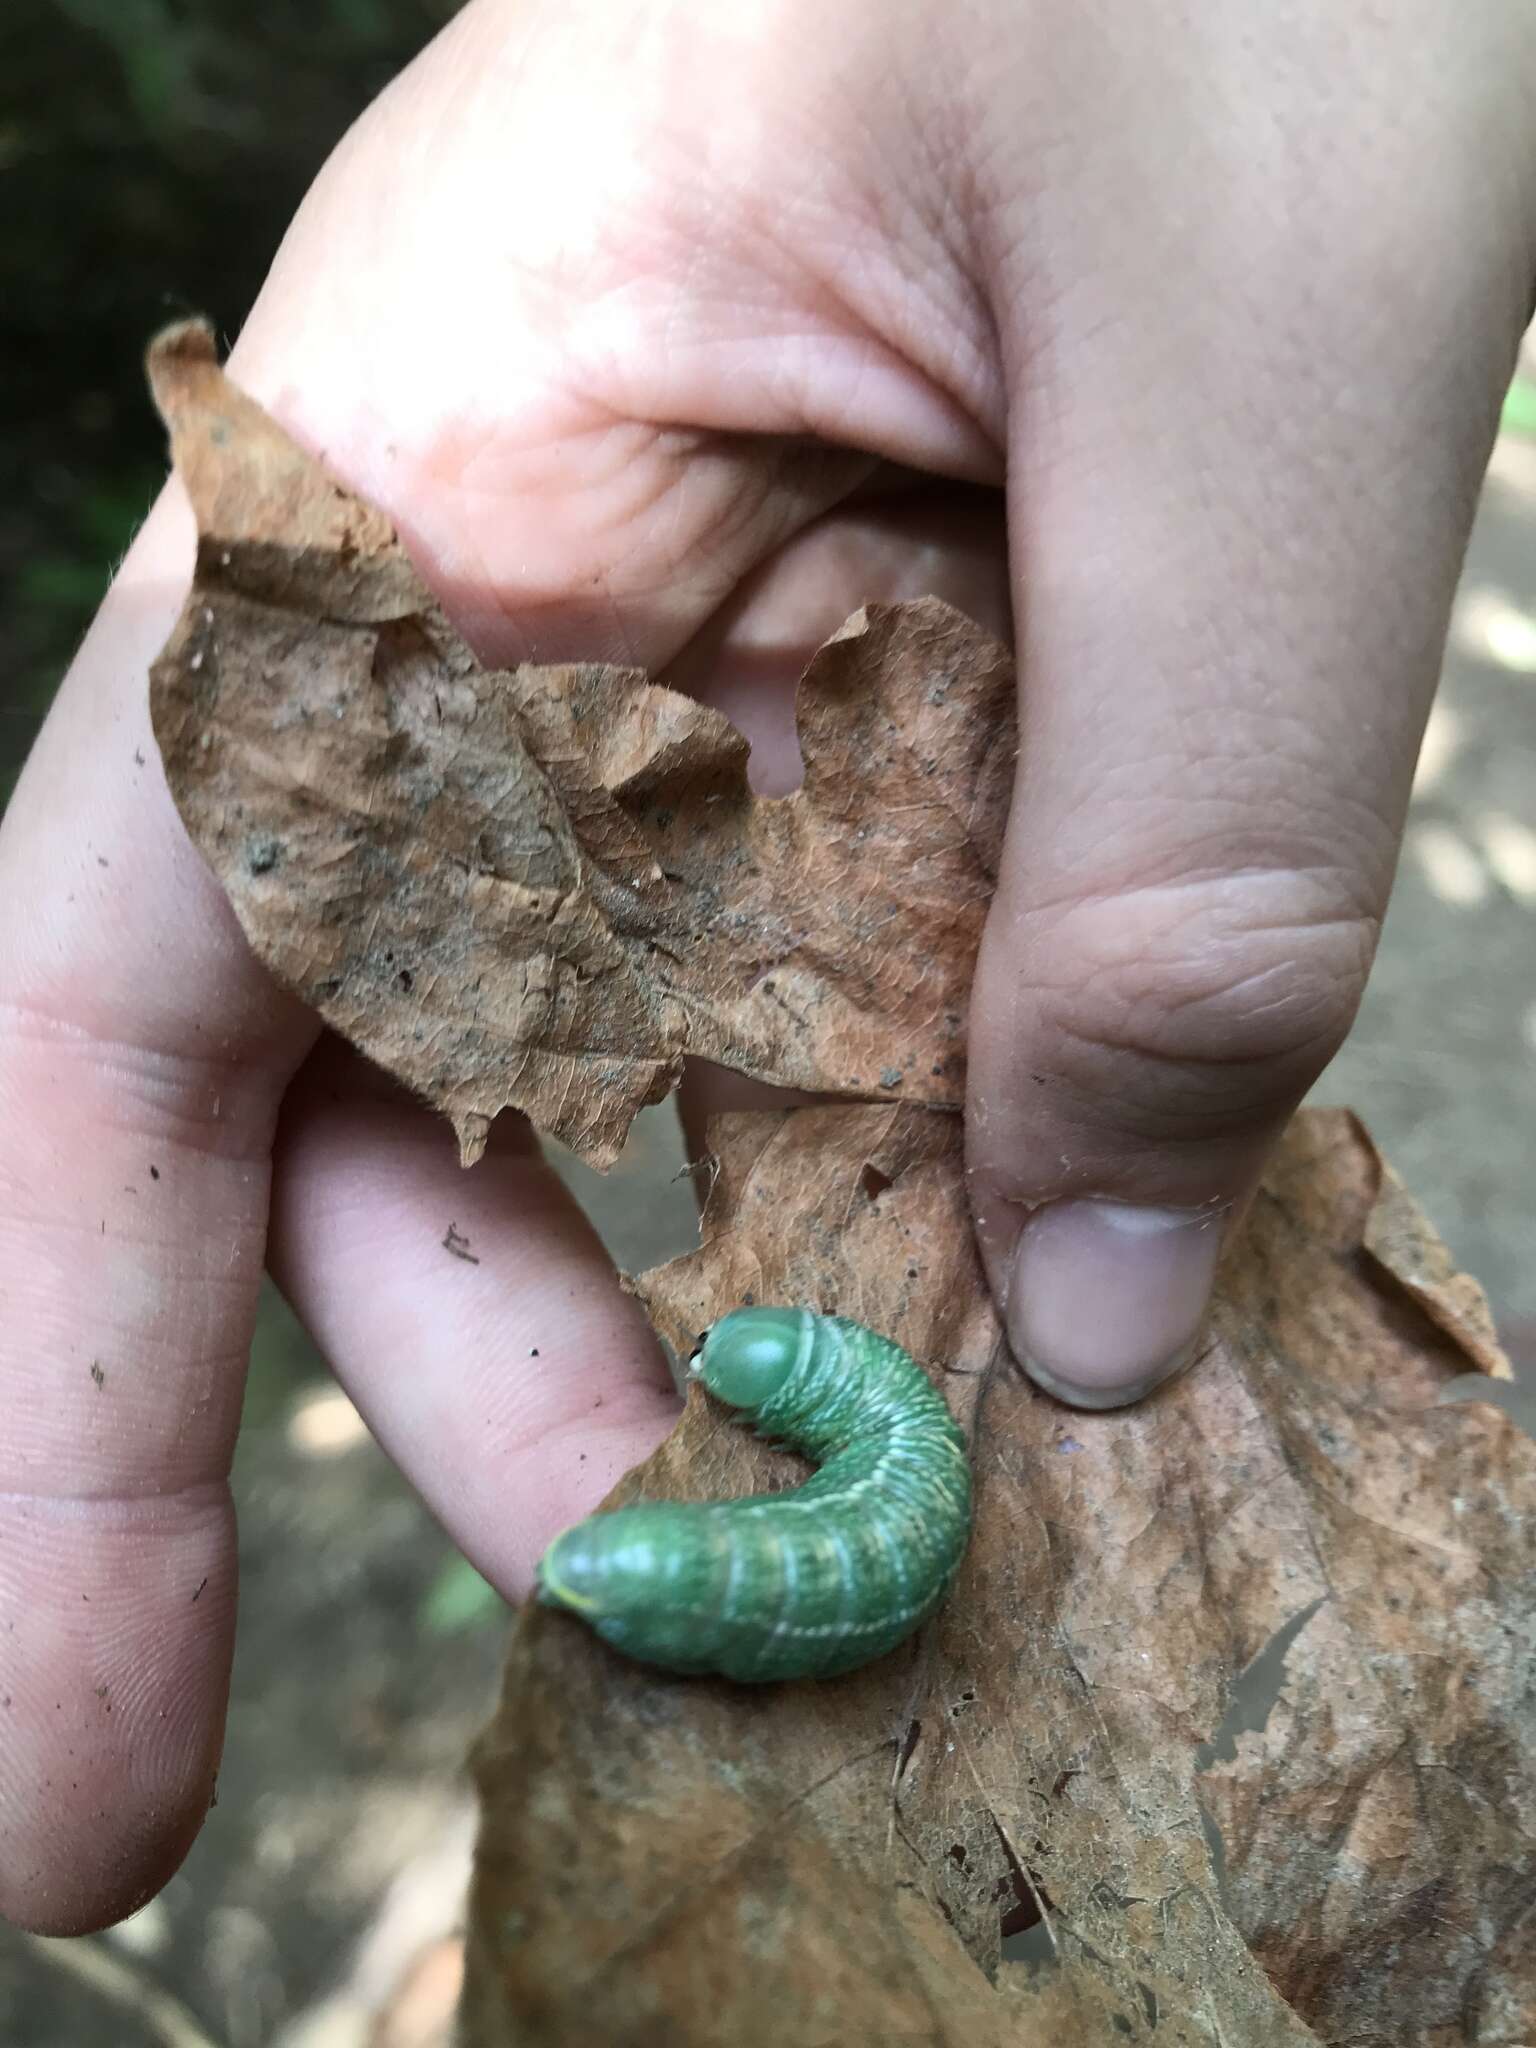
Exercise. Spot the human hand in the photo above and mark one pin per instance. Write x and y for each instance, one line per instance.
(671, 335)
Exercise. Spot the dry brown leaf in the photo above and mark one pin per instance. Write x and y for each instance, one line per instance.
(685, 1862)
(1401, 1238)
(542, 889)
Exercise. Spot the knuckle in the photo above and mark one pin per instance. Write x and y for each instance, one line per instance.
(1201, 1004)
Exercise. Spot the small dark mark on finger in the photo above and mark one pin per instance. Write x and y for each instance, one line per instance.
(534, 1352)
(459, 1247)
(154, 1173)
(102, 861)
(138, 758)
(199, 1593)
(97, 1374)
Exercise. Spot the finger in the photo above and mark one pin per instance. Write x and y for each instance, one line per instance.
(142, 1056)
(474, 1318)
(1235, 541)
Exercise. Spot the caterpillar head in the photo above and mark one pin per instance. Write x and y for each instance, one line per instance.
(749, 1354)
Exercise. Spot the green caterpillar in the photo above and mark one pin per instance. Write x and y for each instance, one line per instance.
(802, 1584)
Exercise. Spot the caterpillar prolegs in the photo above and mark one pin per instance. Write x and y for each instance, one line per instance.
(800, 1584)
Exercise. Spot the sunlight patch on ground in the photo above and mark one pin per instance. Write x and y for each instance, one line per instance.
(1449, 865)
(1512, 469)
(1509, 847)
(144, 1933)
(325, 1424)
(1487, 626)
(401, 1985)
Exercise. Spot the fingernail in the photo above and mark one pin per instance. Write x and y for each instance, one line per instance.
(1107, 1298)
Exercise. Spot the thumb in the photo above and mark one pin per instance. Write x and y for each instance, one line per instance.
(1231, 605)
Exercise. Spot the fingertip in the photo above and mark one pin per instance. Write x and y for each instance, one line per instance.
(474, 1317)
(46, 1899)
(1104, 1399)
(116, 1630)
(1105, 1300)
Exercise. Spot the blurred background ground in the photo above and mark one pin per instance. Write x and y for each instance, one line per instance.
(151, 152)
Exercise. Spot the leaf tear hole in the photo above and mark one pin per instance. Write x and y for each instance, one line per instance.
(1032, 1945)
(874, 1182)
(908, 1750)
(1253, 1697)
(1256, 1691)
(1023, 1905)
(1019, 1911)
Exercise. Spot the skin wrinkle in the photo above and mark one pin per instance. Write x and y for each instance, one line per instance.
(1197, 963)
(877, 214)
(114, 1435)
(138, 1333)
(1222, 879)
(138, 1508)
(905, 324)
(1180, 1105)
(234, 1067)
(1130, 991)
(1211, 969)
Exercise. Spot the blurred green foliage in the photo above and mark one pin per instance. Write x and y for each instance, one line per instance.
(151, 154)
(1519, 415)
(459, 1599)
